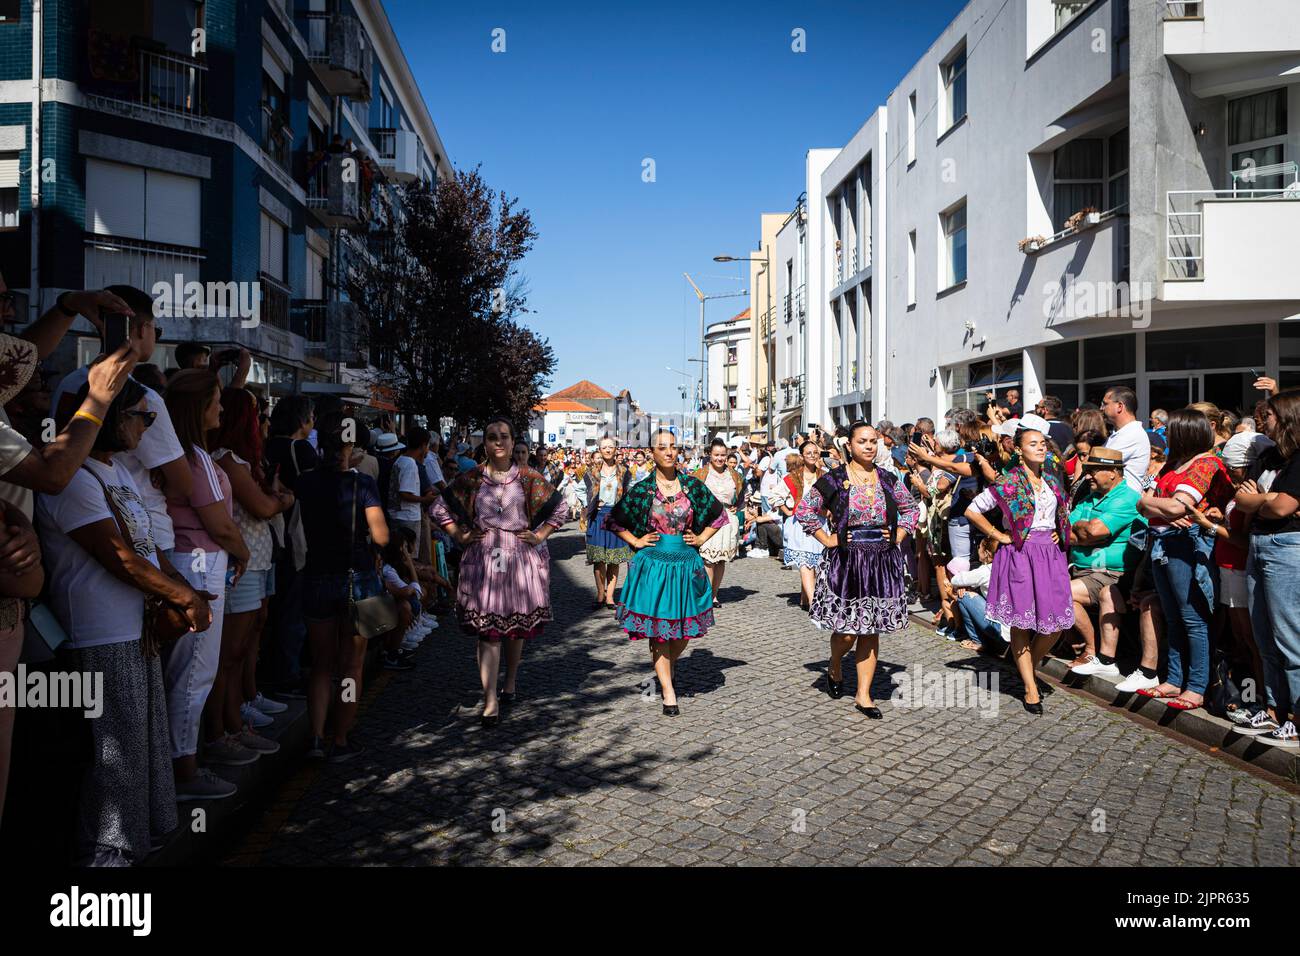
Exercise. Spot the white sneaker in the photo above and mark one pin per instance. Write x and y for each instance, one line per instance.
(1135, 682)
(268, 706)
(254, 717)
(1284, 736)
(1093, 667)
(1260, 724)
(428, 620)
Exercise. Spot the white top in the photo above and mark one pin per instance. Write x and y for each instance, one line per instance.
(974, 580)
(392, 577)
(433, 468)
(158, 445)
(94, 607)
(405, 477)
(1133, 442)
(1044, 506)
(255, 531)
(722, 485)
(771, 485)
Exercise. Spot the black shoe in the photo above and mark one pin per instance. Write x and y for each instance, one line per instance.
(872, 713)
(316, 749)
(490, 720)
(672, 710)
(834, 687)
(396, 662)
(506, 698)
(1035, 709)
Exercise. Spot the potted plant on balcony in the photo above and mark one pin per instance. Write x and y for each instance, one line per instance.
(1087, 216)
(1031, 244)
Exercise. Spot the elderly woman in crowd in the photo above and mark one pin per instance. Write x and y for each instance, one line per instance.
(98, 541)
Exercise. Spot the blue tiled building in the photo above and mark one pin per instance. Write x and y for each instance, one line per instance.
(250, 146)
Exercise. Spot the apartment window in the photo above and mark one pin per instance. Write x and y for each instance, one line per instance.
(1078, 177)
(911, 129)
(273, 236)
(9, 208)
(953, 73)
(386, 118)
(1259, 124)
(10, 11)
(1067, 10)
(953, 224)
(277, 137)
(315, 287)
(9, 186)
(911, 268)
(1117, 170)
(731, 355)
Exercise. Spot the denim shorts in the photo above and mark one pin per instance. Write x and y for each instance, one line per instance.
(249, 590)
(325, 596)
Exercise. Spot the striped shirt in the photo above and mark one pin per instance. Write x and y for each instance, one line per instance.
(210, 485)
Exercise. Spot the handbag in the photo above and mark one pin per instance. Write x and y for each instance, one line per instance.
(372, 616)
(164, 622)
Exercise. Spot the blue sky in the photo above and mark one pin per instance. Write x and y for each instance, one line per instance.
(712, 92)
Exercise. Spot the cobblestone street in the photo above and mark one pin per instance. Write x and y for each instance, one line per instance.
(762, 766)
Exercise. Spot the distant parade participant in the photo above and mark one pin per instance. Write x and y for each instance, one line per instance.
(605, 483)
(666, 597)
(1029, 587)
(500, 513)
(799, 548)
(860, 592)
(728, 487)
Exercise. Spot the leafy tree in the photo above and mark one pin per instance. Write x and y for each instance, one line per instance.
(438, 295)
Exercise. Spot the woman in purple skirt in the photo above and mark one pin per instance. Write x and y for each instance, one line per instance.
(860, 592)
(1029, 588)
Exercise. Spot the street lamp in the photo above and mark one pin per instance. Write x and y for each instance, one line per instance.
(684, 390)
(704, 371)
(766, 262)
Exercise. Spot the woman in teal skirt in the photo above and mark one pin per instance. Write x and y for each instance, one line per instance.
(666, 596)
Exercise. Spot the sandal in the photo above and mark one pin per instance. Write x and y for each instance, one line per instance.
(1153, 693)
(1181, 703)
(971, 645)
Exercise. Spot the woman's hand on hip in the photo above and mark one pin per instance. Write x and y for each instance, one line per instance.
(647, 540)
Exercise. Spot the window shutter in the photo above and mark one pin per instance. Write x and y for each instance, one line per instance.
(114, 199)
(9, 171)
(172, 209)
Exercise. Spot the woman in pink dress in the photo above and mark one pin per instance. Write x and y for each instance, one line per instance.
(500, 514)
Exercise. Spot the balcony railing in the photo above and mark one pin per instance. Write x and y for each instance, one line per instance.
(398, 151)
(167, 82)
(792, 392)
(307, 318)
(274, 308)
(113, 261)
(277, 137)
(333, 185)
(1184, 215)
(786, 309)
(340, 53)
(800, 304)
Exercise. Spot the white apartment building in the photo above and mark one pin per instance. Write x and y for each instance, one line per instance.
(729, 353)
(1060, 197)
(802, 358)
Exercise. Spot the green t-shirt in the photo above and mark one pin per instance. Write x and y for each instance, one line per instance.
(1117, 510)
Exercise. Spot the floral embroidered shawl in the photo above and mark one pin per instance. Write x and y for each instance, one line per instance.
(633, 509)
(1015, 496)
(540, 497)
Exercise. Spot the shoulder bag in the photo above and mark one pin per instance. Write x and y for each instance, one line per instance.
(372, 616)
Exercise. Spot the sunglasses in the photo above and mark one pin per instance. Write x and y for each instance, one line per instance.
(146, 417)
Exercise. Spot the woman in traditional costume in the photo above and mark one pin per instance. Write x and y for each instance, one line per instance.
(605, 482)
(501, 514)
(860, 591)
(728, 487)
(666, 596)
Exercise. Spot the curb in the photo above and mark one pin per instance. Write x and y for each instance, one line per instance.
(226, 822)
(1198, 725)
